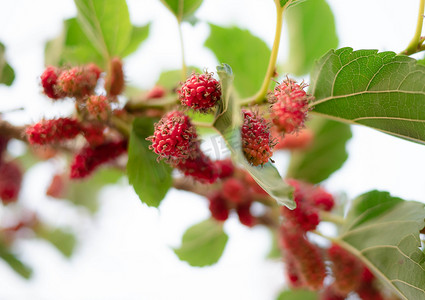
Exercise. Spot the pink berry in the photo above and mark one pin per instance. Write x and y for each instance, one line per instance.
(156, 92)
(89, 158)
(200, 92)
(235, 191)
(52, 131)
(290, 107)
(321, 199)
(295, 141)
(10, 181)
(114, 80)
(200, 168)
(49, 82)
(294, 278)
(218, 207)
(98, 107)
(175, 137)
(79, 81)
(225, 168)
(331, 294)
(57, 186)
(244, 213)
(93, 133)
(257, 142)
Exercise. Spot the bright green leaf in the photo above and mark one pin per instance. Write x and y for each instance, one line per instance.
(107, 25)
(298, 295)
(63, 240)
(85, 192)
(312, 32)
(383, 232)
(182, 9)
(17, 265)
(7, 74)
(138, 35)
(326, 154)
(247, 54)
(228, 122)
(171, 79)
(379, 90)
(150, 179)
(203, 244)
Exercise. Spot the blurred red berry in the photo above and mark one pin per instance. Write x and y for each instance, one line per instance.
(244, 213)
(52, 131)
(156, 92)
(56, 189)
(49, 80)
(225, 168)
(114, 80)
(79, 81)
(200, 168)
(235, 191)
(98, 107)
(200, 92)
(93, 133)
(10, 181)
(218, 207)
(294, 141)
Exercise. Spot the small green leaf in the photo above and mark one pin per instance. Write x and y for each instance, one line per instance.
(150, 179)
(312, 32)
(107, 25)
(283, 2)
(383, 232)
(7, 74)
(85, 192)
(228, 122)
(326, 154)
(182, 9)
(297, 295)
(247, 54)
(171, 79)
(17, 265)
(63, 240)
(203, 244)
(138, 35)
(383, 91)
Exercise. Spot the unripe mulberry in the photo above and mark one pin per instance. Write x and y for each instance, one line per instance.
(346, 268)
(225, 168)
(295, 141)
(175, 137)
(257, 142)
(98, 107)
(290, 107)
(200, 92)
(51, 131)
(218, 207)
(114, 80)
(89, 158)
(200, 168)
(10, 181)
(79, 81)
(307, 257)
(49, 80)
(156, 92)
(234, 191)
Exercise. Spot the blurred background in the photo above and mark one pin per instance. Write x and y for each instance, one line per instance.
(124, 250)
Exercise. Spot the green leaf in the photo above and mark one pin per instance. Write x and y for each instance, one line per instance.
(228, 122)
(138, 35)
(326, 154)
(16, 264)
(383, 232)
(247, 54)
(7, 74)
(297, 295)
(171, 79)
(107, 25)
(203, 244)
(379, 90)
(283, 2)
(63, 240)
(150, 179)
(71, 47)
(85, 192)
(312, 32)
(182, 9)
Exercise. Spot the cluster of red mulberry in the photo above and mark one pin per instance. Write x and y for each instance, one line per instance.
(79, 84)
(306, 262)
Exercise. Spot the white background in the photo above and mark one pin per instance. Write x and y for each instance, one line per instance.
(125, 251)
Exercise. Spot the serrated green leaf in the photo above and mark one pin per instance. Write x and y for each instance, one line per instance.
(238, 47)
(150, 179)
(228, 122)
(383, 232)
(7, 74)
(312, 32)
(138, 35)
(85, 192)
(16, 264)
(203, 244)
(325, 155)
(63, 240)
(182, 9)
(297, 295)
(107, 25)
(379, 90)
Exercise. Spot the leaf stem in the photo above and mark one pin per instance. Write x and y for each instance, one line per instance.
(259, 97)
(184, 67)
(202, 124)
(331, 239)
(121, 125)
(416, 42)
(328, 217)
